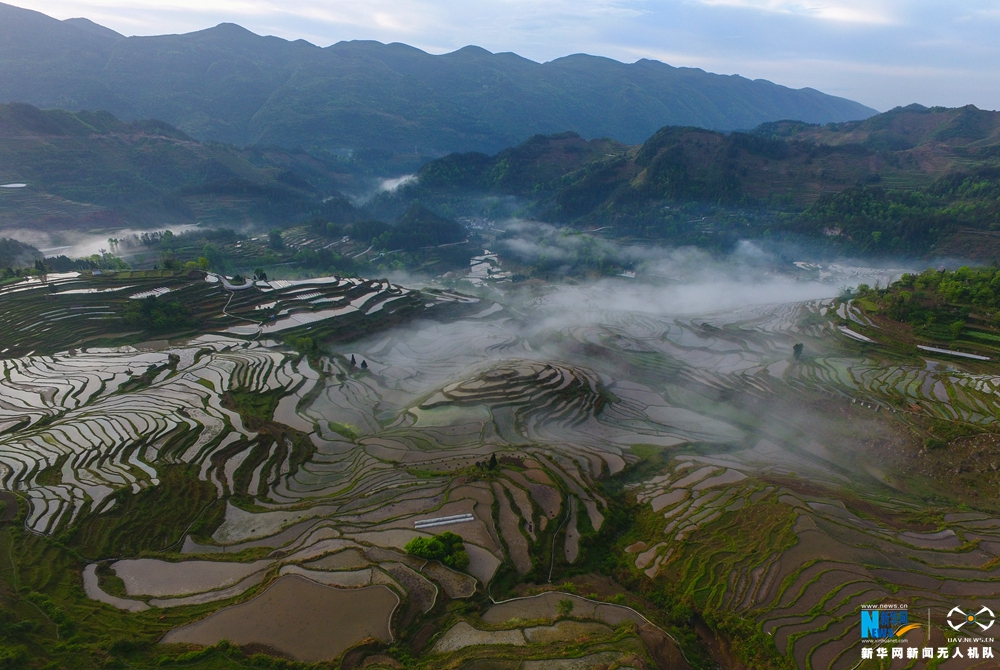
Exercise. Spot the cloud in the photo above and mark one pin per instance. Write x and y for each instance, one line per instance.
(390, 185)
(848, 11)
(739, 277)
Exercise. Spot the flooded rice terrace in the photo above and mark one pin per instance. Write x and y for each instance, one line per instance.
(764, 456)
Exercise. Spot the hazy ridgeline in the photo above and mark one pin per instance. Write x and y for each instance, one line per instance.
(227, 84)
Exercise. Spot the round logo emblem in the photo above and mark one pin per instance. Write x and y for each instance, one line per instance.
(958, 617)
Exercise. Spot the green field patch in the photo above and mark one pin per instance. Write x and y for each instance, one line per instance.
(255, 407)
(345, 430)
(153, 520)
(746, 537)
(48, 621)
(52, 475)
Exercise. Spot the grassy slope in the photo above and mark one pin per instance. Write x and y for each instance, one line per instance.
(151, 521)
(49, 622)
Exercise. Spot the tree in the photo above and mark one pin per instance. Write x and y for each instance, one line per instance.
(213, 255)
(304, 345)
(275, 241)
(493, 462)
(797, 350)
(167, 241)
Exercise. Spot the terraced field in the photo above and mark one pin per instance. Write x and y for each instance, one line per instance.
(57, 311)
(779, 490)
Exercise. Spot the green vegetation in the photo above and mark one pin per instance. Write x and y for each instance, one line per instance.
(942, 305)
(16, 254)
(46, 620)
(419, 227)
(275, 241)
(255, 407)
(875, 219)
(91, 170)
(153, 520)
(695, 186)
(446, 547)
(683, 184)
(19, 260)
(157, 315)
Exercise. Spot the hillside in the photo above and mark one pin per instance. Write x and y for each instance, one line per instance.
(90, 170)
(228, 84)
(933, 195)
(954, 310)
(974, 130)
(913, 181)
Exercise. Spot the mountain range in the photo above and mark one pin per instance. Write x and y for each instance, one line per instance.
(92, 171)
(227, 84)
(914, 180)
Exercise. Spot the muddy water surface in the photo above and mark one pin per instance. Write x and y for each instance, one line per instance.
(308, 621)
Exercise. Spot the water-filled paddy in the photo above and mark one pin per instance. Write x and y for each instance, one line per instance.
(308, 621)
(151, 577)
(734, 415)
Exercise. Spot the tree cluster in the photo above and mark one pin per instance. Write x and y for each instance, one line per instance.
(939, 300)
(157, 315)
(446, 547)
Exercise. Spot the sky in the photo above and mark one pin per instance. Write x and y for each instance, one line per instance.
(882, 53)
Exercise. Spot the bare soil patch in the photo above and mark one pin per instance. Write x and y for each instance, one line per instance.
(454, 584)
(349, 559)
(511, 532)
(600, 660)
(418, 588)
(566, 630)
(482, 564)
(463, 635)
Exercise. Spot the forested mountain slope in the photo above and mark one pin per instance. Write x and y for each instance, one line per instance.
(228, 84)
(92, 170)
(912, 180)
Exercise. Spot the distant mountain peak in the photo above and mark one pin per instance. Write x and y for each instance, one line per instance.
(93, 28)
(229, 30)
(471, 50)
